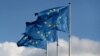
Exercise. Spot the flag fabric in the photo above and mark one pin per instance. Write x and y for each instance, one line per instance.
(34, 31)
(30, 42)
(37, 37)
(41, 32)
(45, 13)
(55, 18)
(45, 27)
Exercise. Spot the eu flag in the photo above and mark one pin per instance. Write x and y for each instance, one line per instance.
(28, 41)
(36, 36)
(45, 27)
(55, 18)
(36, 32)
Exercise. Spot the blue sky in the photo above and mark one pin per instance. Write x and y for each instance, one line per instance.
(14, 14)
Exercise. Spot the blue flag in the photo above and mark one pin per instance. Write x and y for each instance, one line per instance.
(45, 27)
(36, 32)
(55, 18)
(36, 36)
(28, 41)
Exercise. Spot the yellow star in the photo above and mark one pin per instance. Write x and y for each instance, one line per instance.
(49, 32)
(49, 25)
(42, 35)
(48, 13)
(45, 22)
(59, 17)
(38, 32)
(25, 38)
(54, 9)
(36, 42)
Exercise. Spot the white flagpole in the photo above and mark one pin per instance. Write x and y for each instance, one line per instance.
(69, 17)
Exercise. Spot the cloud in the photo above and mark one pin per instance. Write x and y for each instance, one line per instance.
(84, 47)
(79, 47)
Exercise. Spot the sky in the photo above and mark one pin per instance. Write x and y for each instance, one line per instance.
(85, 14)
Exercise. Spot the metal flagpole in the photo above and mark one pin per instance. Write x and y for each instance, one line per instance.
(46, 53)
(58, 45)
(69, 17)
(46, 48)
